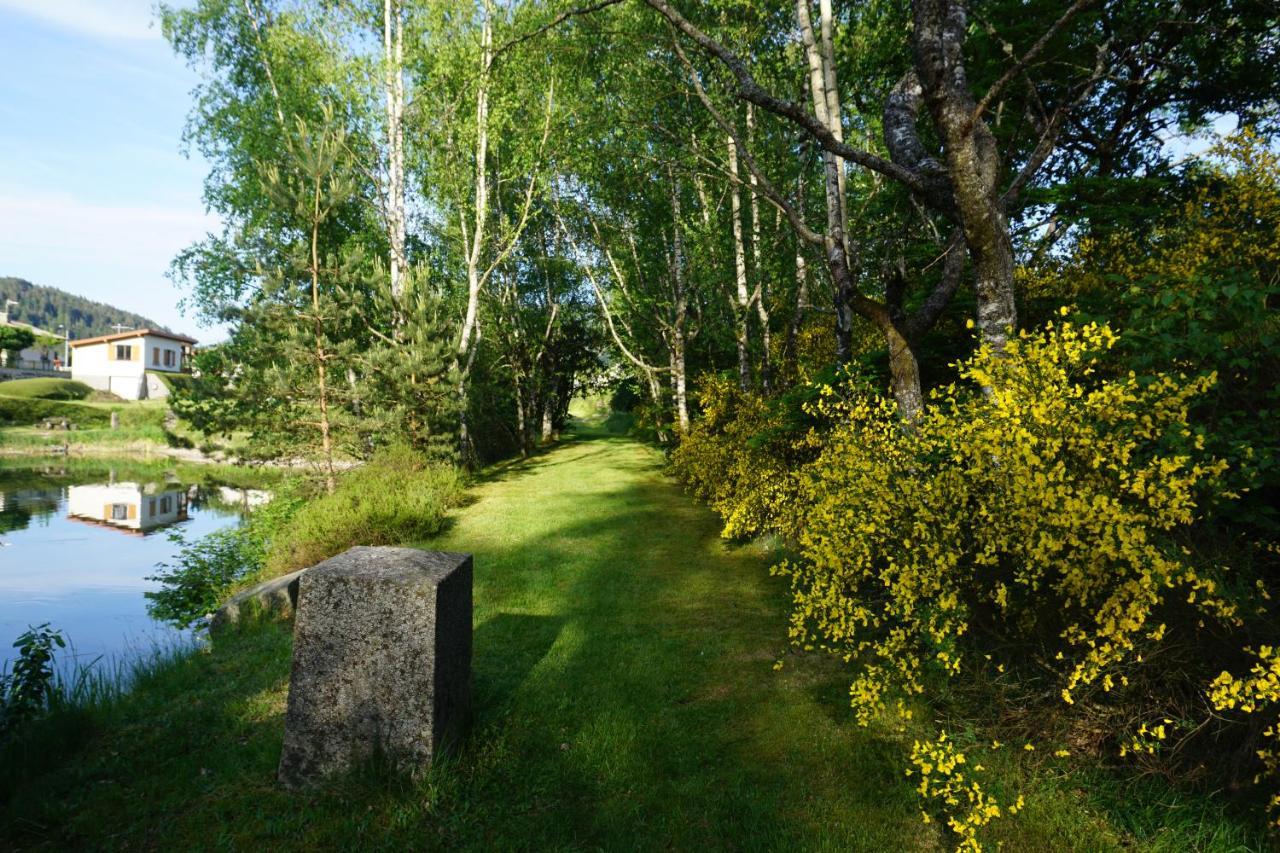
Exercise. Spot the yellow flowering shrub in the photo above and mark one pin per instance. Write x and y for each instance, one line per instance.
(1042, 501)
(1256, 692)
(950, 784)
(739, 458)
(1043, 509)
(1039, 507)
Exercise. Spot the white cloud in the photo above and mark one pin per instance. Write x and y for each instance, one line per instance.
(109, 19)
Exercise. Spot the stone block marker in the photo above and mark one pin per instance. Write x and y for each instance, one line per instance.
(381, 662)
(278, 597)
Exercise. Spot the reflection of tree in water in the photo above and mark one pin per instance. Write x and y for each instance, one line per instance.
(14, 518)
(19, 507)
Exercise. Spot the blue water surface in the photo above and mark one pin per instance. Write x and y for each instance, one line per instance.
(77, 546)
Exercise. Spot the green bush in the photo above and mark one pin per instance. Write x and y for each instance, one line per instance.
(397, 497)
(45, 389)
(17, 411)
(25, 691)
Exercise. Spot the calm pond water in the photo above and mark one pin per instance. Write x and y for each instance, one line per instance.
(78, 539)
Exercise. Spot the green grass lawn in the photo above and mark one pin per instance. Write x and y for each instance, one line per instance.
(625, 698)
(141, 425)
(45, 388)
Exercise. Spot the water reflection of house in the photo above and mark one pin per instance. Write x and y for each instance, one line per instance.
(129, 507)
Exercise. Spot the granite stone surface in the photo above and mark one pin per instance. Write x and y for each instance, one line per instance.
(381, 662)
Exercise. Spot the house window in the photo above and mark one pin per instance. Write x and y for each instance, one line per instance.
(124, 352)
(151, 506)
(170, 358)
(166, 503)
(119, 512)
(155, 357)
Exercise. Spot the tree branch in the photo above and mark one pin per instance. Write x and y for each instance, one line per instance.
(748, 89)
(764, 185)
(1021, 65)
(550, 25)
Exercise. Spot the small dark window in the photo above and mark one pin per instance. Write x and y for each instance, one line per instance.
(169, 358)
(119, 512)
(155, 357)
(124, 352)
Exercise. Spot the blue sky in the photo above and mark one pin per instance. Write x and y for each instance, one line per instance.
(95, 195)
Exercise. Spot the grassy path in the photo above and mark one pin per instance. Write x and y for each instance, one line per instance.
(625, 699)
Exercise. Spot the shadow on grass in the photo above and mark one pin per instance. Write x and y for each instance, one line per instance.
(507, 647)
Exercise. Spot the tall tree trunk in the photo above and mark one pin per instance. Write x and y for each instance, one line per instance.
(469, 335)
(797, 317)
(393, 56)
(831, 90)
(548, 419)
(973, 162)
(680, 319)
(317, 326)
(761, 296)
(836, 247)
(742, 307)
(522, 429)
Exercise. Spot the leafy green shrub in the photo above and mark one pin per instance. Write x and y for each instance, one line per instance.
(45, 389)
(17, 411)
(397, 497)
(26, 690)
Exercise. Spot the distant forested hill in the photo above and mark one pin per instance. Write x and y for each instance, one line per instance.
(46, 307)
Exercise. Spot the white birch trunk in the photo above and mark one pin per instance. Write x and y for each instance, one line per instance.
(393, 58)
(743, 304)
(761, 295)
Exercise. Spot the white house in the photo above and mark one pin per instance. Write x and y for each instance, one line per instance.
(130, 507)
(124, 363)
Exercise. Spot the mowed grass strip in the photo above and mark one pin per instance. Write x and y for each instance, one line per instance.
(625, 698)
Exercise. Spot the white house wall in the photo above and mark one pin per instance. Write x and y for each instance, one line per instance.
(91, 365)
